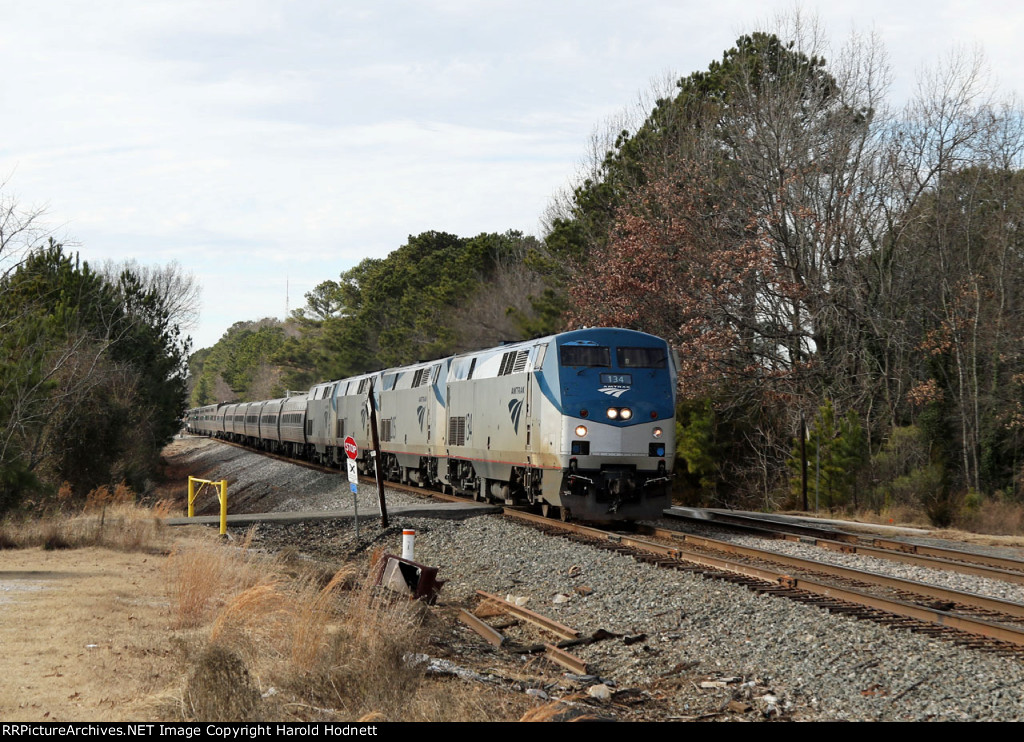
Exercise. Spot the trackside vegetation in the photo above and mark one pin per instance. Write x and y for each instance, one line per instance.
(824, 262)
(92, 373)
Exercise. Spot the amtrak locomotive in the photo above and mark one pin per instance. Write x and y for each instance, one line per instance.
(580, 423)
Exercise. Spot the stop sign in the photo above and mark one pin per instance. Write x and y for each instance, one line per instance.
(350, 447)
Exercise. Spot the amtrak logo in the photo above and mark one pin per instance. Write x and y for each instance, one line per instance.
(515, 409)
(614, 391)
(421, 412)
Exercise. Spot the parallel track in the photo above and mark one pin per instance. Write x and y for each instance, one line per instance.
(974, 631)
(934, 557)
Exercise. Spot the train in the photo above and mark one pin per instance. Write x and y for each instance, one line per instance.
(580, 424)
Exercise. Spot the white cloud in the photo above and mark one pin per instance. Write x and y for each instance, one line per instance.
(248, 139)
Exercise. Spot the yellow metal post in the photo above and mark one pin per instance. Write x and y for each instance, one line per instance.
(223, 507)
(222, 495)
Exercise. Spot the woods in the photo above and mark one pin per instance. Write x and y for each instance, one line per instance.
(92, 374)
(813, 254)
(438, 294)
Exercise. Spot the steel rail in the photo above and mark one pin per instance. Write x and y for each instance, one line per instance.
(989, 560)
(998, 605)
(935, 557)
(932, 562)
(560, 657)
(975, 626)
(488, 632)
(554, 654)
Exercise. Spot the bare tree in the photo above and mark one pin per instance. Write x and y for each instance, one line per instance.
(492, 315)
(20, 230)
(180, 294)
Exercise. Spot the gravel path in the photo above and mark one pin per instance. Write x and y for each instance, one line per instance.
(696, 647)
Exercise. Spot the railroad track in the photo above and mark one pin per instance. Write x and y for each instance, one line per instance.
(960, 602)
(933, 557)
(966, 619)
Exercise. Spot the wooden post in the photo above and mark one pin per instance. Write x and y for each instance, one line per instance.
(378, 465)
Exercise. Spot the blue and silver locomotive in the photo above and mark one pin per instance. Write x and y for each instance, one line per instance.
(580, 423)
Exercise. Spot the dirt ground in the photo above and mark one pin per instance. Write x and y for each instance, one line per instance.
(85, 636)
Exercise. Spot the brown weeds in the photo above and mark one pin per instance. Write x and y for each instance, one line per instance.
(260, 609)
(110, 521)
(103, 496)
(570, 708)
(315, 610)
(220, 688)
(993, 516)
(335, 648)
(202, 576)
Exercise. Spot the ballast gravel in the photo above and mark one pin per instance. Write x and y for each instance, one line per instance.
(944, 578)
(690, 643)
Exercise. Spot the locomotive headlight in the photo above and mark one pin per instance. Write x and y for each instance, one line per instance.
(613, 413)
(657, 432)
(625, 413)
(581, 431)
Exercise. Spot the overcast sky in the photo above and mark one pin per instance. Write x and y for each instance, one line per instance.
(265, 143)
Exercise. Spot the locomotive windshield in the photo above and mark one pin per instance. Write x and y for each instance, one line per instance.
(640, 357)
(586, 355)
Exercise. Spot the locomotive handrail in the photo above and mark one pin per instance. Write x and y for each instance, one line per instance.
(222, 496)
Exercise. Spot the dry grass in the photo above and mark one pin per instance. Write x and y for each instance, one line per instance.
(898, 515)
(570, 708)
(314, 611)
(220, 689)
(103, 496)
(986, 520)
(995, 517)
(261, 607)
(203, 576)
(339, 649)
(120, 526)
(366, 663)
